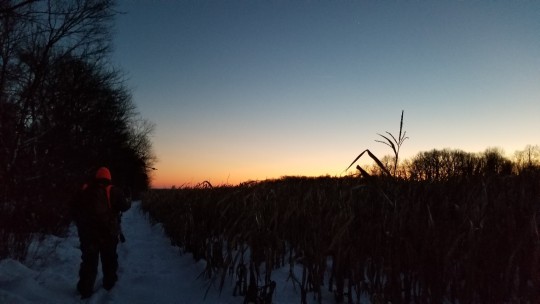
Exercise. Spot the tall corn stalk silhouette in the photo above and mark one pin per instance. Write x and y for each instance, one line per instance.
(391, 141)
(395, 143)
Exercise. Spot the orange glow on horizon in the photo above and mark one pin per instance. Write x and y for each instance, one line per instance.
(233, 171)
(165, 182)
(186, 175)
(170, 177)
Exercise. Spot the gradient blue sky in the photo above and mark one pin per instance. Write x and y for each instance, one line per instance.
(249, 90)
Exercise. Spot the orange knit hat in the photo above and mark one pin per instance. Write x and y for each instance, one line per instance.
(103, 173)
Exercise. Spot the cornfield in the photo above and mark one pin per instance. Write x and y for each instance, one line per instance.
(460, 240)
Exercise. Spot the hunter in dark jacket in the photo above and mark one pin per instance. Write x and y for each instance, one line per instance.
(95, 212)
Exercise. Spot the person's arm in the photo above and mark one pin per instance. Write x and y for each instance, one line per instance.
(119, 201)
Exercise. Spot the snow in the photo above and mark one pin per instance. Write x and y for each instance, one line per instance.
(151, 271)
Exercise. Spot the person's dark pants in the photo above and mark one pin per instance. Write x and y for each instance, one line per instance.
(92, 249)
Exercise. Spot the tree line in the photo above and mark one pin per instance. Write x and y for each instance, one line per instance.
(445, 164)
(64, 111)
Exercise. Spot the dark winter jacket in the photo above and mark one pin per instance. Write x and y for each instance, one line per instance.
(95, 212)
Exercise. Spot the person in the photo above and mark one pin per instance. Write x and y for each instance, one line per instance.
(95, 211)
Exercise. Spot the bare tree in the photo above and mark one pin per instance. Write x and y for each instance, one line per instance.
(139, 140)
(527, 158)
(36, 35)
(62, 109)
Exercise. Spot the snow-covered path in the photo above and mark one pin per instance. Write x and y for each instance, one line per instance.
(151, 271)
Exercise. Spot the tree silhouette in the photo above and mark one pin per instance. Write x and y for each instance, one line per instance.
(63, 111)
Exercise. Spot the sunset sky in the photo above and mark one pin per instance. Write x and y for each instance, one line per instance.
(249, 90)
